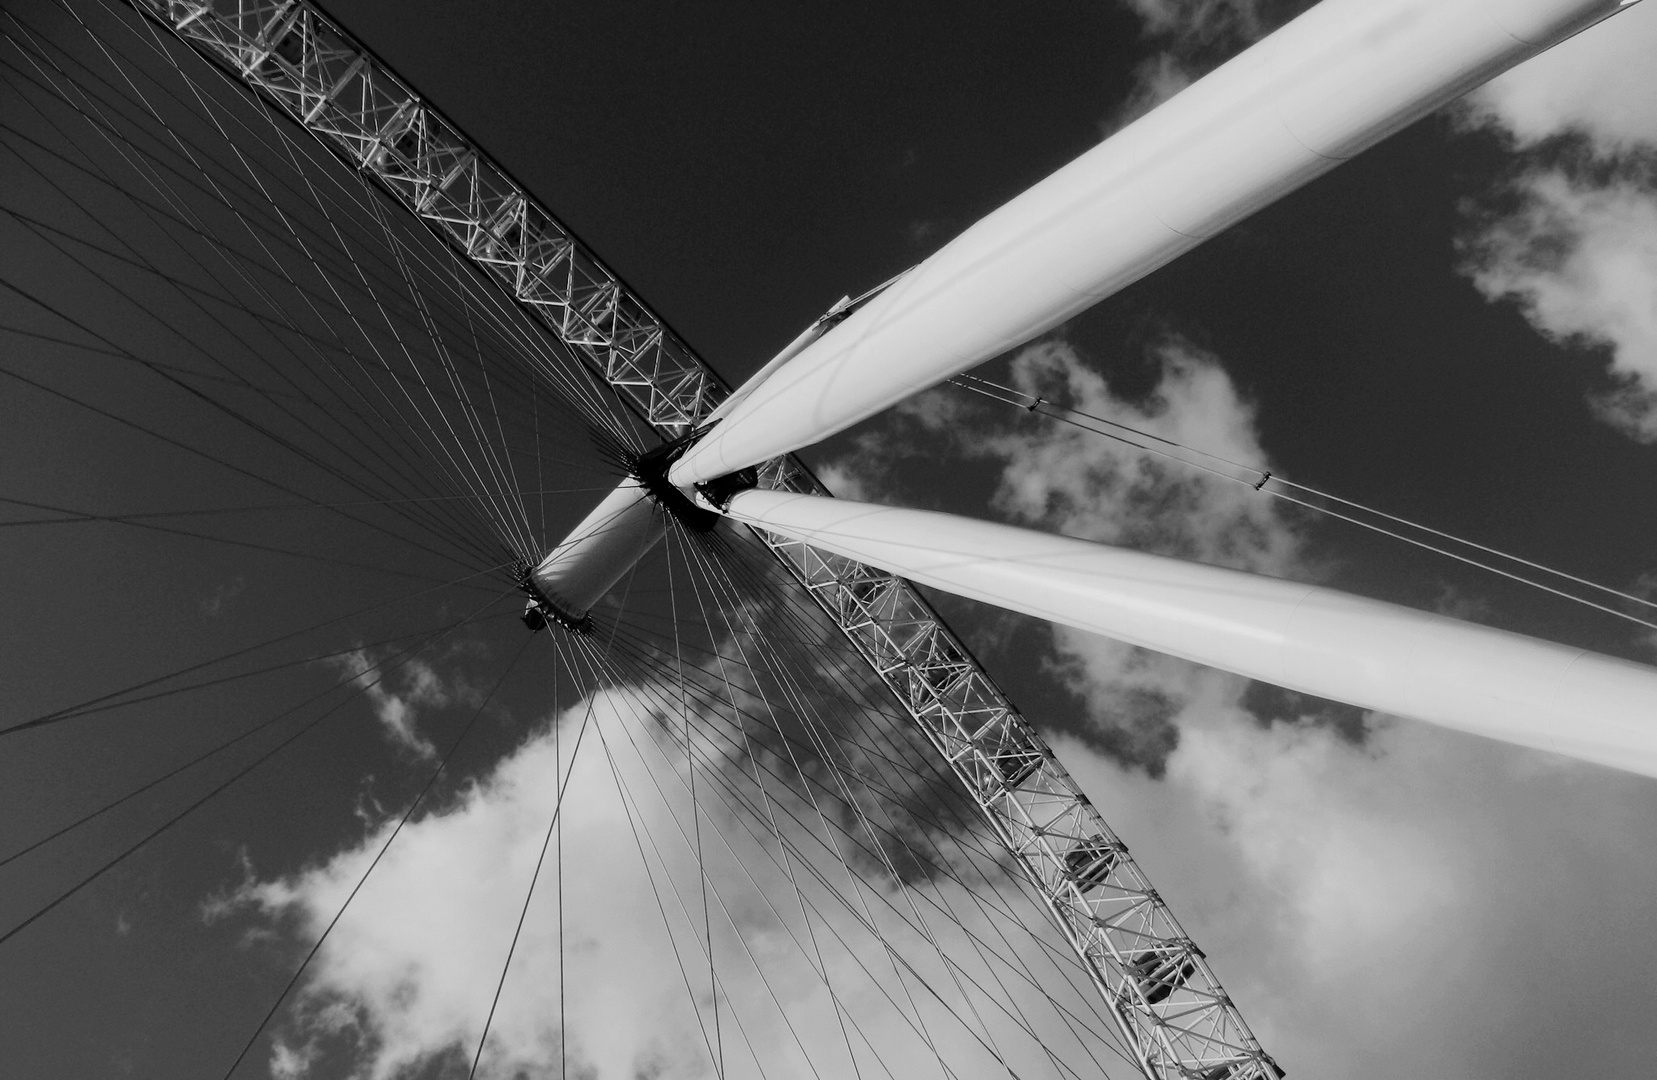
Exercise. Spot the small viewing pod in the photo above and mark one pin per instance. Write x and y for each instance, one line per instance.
(1237, 1070)
(1159, 974)
(1014, 761)
(1090, 862)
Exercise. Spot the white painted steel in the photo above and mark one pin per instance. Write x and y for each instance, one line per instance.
(624, 527)
(601, 550)
(1304, 637)
(1334, 81)
(789, 352)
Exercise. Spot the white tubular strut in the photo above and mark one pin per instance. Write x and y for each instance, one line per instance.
(1304, 637)
(623, 528)
(1331, 83)
(600, 551)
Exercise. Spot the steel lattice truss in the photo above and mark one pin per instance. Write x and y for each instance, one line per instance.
(1155, 981)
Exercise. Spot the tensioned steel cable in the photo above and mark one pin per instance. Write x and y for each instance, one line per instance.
(643, 825)
(1014, 1013)
(529, 894)
(819, 967)
(670, 678)
(205, 684)
(104, 700)
(962, 831)
(683, 705)
(79, 517)
(797, 608)
(558, 871)
(600, 415)
(636, 821)
(821, 742)
(508, 526)
(962, 825)
(1268, 477)
(647, 681)
(310, 150)
(212, 751)
(252, 545)
(217, 459)
(166, 825)
(967, 1024)
(217, 191)
(591, 387)
(408, 813)
(153, 180)
(945, 910)
(884, 826)
(504, 482)
(824, 740)
(835, 848)
(290, 146)
(527, 389)
(696, 816)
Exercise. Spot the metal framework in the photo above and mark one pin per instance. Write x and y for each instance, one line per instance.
(1154, 980)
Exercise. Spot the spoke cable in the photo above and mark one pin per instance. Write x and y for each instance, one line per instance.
(378, 855)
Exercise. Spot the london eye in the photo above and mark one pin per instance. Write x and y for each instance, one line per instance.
(425, 663)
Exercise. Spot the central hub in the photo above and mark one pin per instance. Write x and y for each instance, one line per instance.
(650, 469)
(541, 610)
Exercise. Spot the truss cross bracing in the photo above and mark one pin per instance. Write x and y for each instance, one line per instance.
(1155, 982)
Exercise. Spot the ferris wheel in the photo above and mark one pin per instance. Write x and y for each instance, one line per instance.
(354, 341)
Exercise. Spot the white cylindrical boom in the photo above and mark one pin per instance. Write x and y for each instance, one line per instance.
(1334, 81)
(1308, 638)
(623, 528)
(601, 550)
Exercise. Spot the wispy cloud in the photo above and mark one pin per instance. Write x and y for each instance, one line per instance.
(1421, 903)
(1578, 255)
(1571, 239)
(1384, 898)
(1065, 479)
(223, 594)
(1191, 37)
(404, 984)
(399, 691)
(1597, 83)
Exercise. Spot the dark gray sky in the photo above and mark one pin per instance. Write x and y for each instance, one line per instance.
(1426, 330)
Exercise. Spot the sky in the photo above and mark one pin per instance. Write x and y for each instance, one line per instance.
(1459, 327)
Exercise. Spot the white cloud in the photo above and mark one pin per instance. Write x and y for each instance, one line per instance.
(213, 603)
(1423, 904)
(1598, 83)
(398, 691)
(1155, 80)
(1084, 484)
(1201, 21)
(405, 981)
(1412, 903)
(1193, 36)
(417, 960)
(845, 483)
(1576, 249)
(1066, 479)
(1579, 256)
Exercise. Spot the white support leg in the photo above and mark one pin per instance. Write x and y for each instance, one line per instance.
(1333, 82)
(600, 551)
(1304, 637)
